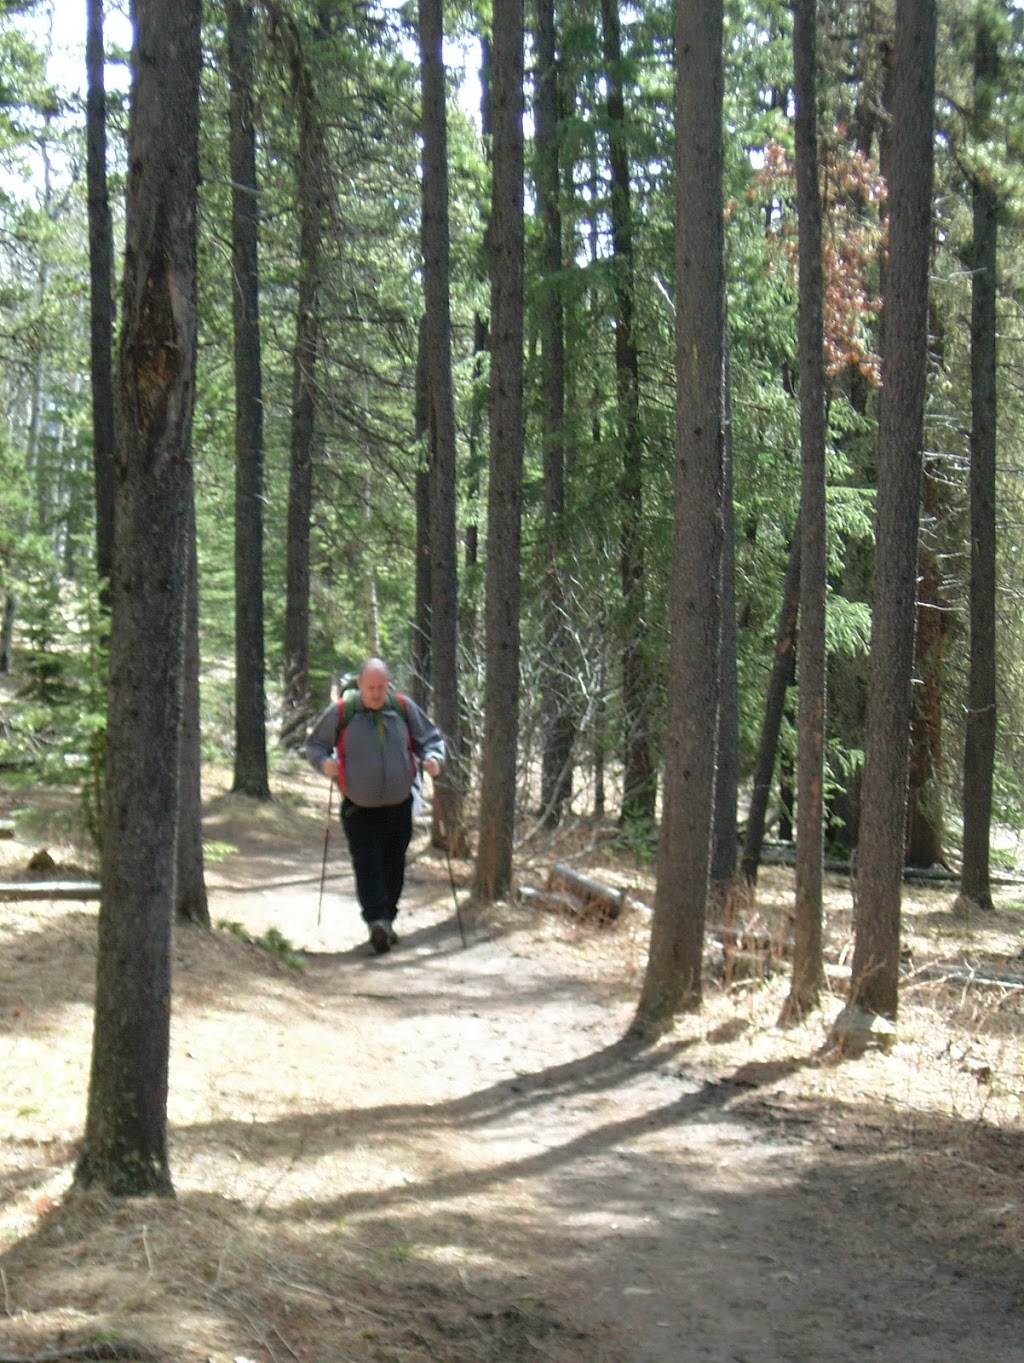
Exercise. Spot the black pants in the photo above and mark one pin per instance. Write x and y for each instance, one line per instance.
(377, 842)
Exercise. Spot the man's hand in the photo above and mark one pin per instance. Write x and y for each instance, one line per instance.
(432, 766)
(329, 767)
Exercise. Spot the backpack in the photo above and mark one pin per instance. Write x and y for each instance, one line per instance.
(349, 703)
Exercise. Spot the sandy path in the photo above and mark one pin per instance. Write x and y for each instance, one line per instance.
(649, 1208)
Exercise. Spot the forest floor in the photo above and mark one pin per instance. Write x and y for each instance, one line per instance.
(451, 1155)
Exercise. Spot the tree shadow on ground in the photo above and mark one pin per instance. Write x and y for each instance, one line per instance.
(737, 1233)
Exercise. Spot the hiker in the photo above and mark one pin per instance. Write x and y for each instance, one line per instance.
(370, 741)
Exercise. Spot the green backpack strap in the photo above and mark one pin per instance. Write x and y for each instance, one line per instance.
(349, 702)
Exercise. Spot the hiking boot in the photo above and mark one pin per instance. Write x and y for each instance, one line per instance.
(382, 936)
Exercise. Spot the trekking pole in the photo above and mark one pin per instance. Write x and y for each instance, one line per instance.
(448, 858)
(323, 864)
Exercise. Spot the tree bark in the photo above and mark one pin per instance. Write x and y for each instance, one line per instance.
(441, 421)
(874, 986)
(125, 1144)
(101, 297)
(639, 778)
(493, 875)
(305, 360)
(557, 708)
(250, 685)
(471, 588)
(808, 975)
(980, 737)
(925, 822)
(421, 680)
(190, 898)
(727, 765)
(780, 679)
(672, 982)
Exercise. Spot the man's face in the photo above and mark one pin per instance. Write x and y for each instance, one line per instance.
(373, 687)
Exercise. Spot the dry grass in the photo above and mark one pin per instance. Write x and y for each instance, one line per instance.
(346, 1191)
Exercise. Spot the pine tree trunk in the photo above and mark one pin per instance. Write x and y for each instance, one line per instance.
(639, 778)
(250, 694)
(557, 709)
(980, 738)
(190, 898)
(808, 966)
(924, 836)
(727, 766)
(441, 422)
(471, 591)
(421, 688)
(125, 1144)
(305, 361)
(673, 982)
(875, 983)
(493, 875)
(781, 678)
(101, 298)
(846, 685)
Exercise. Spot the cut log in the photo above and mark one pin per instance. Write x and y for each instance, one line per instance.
(602, 901)
(550, 901)
(49, 889)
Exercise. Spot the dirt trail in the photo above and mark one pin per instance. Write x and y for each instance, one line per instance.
(685, 1213)
(449, 1154)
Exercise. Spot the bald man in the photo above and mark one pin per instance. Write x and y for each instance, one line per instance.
(370, 741)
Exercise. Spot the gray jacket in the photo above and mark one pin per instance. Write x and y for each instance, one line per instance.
(375, 765)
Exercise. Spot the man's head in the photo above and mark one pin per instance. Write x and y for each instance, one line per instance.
(374, 680)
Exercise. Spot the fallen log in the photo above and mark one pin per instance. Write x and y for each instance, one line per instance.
(49, 889)
(603, 901)
(962, 974)
(784, 854)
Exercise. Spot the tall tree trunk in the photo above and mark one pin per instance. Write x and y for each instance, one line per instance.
(980, 737)
(190, 898)
(780, 679)
(727, 764)
(808, 965)
(476, 453)
(441, 421)
(557, 710)
(875, 982)
(250, 686)
(125, 1144)
(101, 298)
(493, 876)
(846, 685)
(421, 688)
(924, 836)
(639, 778)
(673, 979)
(7, 614)
(305, 359)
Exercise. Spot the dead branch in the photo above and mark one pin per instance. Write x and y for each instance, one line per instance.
(49, 889)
